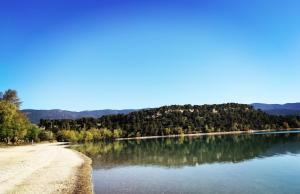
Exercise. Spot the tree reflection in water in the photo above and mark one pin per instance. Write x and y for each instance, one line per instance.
(189, 151)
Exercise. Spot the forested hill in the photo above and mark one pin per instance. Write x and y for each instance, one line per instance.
(178, 119)
(36, 115)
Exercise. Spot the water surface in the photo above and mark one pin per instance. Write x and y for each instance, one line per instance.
(257, 163)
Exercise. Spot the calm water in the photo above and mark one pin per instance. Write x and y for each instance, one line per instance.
(258, 163)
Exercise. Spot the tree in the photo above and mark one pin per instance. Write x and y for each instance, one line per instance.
(179, 131)
(117, 133)
(14, 125)
(20, 126)
(167, 131)
(46, 135)
(69, 135)
(33, 133)
(88, 136)
(285, 125)
(106, 133)
(96, 134)
(7, 115)
(12, 96)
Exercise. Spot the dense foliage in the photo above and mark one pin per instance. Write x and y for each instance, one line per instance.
(14, 125)
(176, 119)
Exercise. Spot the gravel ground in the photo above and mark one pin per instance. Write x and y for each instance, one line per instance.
(44, 168)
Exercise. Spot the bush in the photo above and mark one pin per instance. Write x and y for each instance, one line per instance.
(105, 133)
(96, 134)
(179, 131)
(167, 131)
(88, 136)
(117, 133)
(45, 135)
(33, 133)
(68, 136)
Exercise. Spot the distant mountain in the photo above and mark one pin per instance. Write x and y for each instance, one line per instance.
(36, 115)
(279, 109)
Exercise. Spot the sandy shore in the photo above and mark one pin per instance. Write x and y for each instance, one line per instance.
(44, 168)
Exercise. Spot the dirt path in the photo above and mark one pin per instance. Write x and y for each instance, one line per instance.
(42, 168)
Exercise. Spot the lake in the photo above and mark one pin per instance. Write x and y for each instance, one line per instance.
(245, 163)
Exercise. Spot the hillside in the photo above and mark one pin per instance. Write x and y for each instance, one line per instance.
(179, 119)
(36, 115)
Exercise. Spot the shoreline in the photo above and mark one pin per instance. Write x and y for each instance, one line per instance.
(44, 168)
(49, 167)
(205, 134)
(84, 183)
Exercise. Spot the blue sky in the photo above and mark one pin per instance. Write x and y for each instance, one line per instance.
(96, 54)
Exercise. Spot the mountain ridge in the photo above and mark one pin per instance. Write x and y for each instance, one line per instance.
(288, 106)
(279, 109)
(36, 114)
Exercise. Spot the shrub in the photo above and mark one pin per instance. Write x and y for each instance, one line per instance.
(45, 135)
(33, 133)
(117, 133)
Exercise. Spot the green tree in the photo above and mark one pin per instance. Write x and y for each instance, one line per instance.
(33, 133)
(67, 135)
(8, 112)
(96, 134)
(46, 135)
(167, 131)
(20, 126)
(179, 131)
(88, 136)
(117, 133)
(106, 133)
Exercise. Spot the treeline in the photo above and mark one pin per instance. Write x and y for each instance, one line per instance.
(166, 120)
(14, 125)
(171, 120)
(88, 135)
(16, 128)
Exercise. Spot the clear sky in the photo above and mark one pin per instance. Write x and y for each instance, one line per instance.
(96, 54)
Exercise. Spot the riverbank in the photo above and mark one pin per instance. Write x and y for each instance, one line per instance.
(205, 134)
(44, 168)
